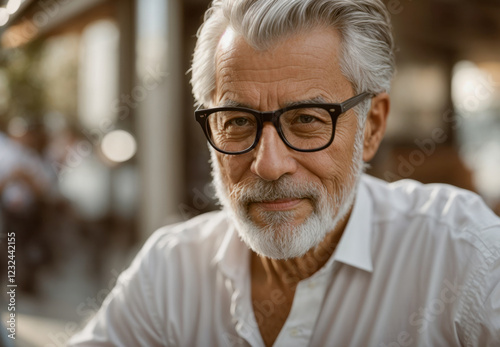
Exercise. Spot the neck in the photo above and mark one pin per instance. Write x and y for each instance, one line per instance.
(287, 273)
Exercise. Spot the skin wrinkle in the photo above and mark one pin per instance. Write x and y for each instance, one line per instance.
(311, 82)
(230, 97)
(233, 55)
(225, 82)
(288, 80)
(274, 72)
(316, 100)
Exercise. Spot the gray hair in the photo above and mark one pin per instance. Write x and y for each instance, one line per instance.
(367, 58)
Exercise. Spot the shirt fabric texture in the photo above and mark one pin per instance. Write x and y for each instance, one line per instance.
(417, 265)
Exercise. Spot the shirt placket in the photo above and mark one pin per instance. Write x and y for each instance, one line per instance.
(307, 303)
(241, 310)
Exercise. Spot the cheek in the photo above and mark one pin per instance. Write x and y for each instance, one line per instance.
(233, 167)
(333, 165)
(343, 149)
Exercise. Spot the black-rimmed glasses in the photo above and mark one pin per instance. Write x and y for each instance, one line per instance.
(306, 127)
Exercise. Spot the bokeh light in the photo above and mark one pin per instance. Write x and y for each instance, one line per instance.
(17, 127)
(4, 16)
(118, 146)
(471, 88)
(13, 6)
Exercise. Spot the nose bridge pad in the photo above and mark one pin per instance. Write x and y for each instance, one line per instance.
(271, 117)
(272, 158)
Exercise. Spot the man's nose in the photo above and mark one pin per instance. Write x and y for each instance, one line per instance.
(272, 156)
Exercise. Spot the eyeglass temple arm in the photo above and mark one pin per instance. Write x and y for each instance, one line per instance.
(348, 104)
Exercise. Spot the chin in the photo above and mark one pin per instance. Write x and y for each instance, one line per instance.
(280, 239)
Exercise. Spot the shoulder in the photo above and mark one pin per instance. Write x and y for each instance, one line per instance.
(200, 236)
(455, 230)
(440, 203)
(204, 227)
(176, 261)
(438, 220)
(439, 234)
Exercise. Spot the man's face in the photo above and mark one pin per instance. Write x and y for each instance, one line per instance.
(284, 201)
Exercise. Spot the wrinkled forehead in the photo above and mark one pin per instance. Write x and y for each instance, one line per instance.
(305, 63)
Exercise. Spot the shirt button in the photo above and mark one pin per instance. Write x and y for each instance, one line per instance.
(312, 285)
(294, 332)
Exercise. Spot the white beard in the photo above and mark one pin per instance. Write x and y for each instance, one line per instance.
(279, 238)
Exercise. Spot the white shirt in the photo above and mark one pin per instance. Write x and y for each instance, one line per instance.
(417, 265)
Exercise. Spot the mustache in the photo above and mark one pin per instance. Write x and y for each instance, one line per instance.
(258, 190)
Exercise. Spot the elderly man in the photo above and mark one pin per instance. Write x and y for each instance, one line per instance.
(307, 251)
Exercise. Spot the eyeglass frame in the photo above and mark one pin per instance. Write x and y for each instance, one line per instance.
(335, 110)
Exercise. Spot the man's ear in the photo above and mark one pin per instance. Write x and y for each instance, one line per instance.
(376, 122)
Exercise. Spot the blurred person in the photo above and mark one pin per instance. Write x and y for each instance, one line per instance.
(24, 164)
(308, 250)
(84, 184)
(27, 185)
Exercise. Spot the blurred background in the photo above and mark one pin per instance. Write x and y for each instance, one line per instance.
(99, 147)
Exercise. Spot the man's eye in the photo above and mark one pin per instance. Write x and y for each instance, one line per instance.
(305, 119)
(239, 122)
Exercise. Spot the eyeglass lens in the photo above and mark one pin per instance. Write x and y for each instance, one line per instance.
(303, 128)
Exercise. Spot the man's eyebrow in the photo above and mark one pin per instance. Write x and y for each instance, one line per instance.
(315, 100)
(233, 103)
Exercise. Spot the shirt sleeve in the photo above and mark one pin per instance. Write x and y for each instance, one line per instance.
(484, 327)
(127, 316)
(490, 322)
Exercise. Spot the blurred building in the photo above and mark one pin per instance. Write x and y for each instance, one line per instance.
(445, 118)
(99, 67)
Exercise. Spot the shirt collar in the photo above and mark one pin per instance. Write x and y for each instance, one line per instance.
(354, 247)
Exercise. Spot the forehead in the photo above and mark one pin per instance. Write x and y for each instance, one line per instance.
(301, 67)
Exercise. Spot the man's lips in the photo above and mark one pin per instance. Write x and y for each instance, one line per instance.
(279, 204)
